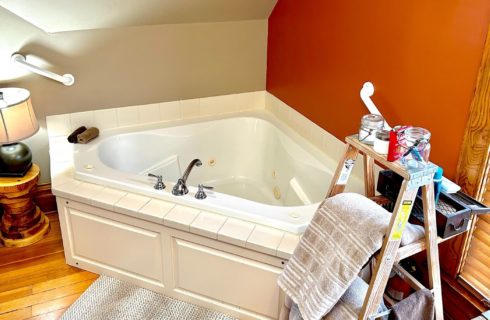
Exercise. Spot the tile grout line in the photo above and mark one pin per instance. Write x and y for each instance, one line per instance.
(279, 244)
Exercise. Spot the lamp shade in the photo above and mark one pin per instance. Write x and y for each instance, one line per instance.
(17, 118)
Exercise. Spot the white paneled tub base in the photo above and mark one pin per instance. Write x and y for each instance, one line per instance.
(178, 264)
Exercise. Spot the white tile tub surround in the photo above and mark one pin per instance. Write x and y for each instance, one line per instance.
(218, 105)
(61, 172)
(130, 204)
(207, 224)
(155, 210)
(149, 113)
(310, 131)
(107, 197)
(234, 231)
(66, 189)
(190, 108)
(170, 111)
(59, 125)
(180, 217)
(302, 125)
(265, 239)
(86, 191)
(288, 244)
(62, 125)
(105, 119)
(127, 116)
(80, 118)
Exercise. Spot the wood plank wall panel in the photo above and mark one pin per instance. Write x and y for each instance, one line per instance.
(473, 169)
(468, 253)
(474, 157)
(473, 160)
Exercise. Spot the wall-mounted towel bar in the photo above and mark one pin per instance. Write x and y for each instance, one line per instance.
(66, 79)
(366, 92)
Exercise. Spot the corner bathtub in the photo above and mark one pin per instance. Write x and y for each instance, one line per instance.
(259, 172)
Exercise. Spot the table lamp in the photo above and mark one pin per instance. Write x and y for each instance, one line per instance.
(17, 122)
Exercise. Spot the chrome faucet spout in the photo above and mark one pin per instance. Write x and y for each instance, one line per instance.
(180, 187)
(195, 162)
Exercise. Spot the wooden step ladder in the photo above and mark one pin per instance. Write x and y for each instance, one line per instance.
(390, 253)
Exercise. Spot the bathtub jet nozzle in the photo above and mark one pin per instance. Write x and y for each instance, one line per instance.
(180, 187)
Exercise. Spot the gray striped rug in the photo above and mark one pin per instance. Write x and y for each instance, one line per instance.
(109, 298)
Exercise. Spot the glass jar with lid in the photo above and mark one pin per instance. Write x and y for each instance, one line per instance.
(416, 146)
(370, 123)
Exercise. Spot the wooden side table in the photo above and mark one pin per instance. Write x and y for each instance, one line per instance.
(23, 223)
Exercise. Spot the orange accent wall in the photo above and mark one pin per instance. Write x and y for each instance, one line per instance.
(422, 57)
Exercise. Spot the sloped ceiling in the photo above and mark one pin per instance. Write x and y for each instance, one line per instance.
(62, 15)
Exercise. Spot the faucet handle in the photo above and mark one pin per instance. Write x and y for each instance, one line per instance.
(159, 185)
(200, 194)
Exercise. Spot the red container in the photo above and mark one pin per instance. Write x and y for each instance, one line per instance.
(395, 150)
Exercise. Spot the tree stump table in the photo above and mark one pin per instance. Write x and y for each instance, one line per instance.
(23, 223)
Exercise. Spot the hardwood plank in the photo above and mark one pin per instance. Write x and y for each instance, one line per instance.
(55, 315)
(34, 264)
(31, 264)
(15, 293)
(43, 297)
(63, 281)
(54, 305)
(35, 281)
(51, 244)
(20, 314)
(66, 270)
(43, 271)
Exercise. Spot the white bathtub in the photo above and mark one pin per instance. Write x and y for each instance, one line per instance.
(260, 172)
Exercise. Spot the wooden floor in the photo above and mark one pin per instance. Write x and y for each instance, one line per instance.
(35, 282)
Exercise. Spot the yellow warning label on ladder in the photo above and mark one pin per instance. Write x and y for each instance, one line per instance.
(401, 220)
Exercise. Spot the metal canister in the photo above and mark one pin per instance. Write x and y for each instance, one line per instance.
(382, 141)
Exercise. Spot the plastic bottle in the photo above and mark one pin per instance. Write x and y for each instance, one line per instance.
(437, 183)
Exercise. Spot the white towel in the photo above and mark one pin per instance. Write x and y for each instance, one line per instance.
(344, 233)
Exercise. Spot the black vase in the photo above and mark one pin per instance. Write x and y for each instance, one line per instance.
(15, 160)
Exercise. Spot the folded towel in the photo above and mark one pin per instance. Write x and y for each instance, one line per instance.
(72, 138)
(344, 233)
(417, 306)
(412, 233)
(88, 135)
(348, 307)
